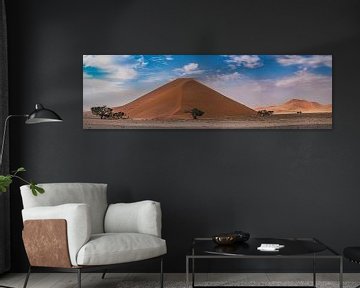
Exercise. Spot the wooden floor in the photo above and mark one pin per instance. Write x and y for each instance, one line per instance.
(114, 280)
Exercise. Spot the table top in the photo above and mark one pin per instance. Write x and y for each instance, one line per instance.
(293, 247)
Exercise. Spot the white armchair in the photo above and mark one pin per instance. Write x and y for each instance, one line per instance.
(72, 228)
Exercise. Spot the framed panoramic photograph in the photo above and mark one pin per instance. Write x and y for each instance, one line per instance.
(207, 92)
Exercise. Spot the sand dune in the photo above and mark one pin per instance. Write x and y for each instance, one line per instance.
(296, 105)
(174, 99)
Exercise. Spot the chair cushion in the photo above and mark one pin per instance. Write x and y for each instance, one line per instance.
(114, 248)
(138, 217)
(352, 253)
(55, 194)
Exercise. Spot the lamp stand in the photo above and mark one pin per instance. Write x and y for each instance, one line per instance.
(39, 115)
(2, 153)
(4, 135)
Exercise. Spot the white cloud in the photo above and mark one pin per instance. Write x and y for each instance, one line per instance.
(302, 78)
(98, 92)
(85, 75)
(103, 60)
(248, 61)
(162, 59)
(157, 58)
(157, 77)
(113, 65)
(257, 93)
(189, 69)
(224, 79)
(312, 61)
(96, 60)
(141, 63)
(111, 89)
(124, 73)
(230, 77)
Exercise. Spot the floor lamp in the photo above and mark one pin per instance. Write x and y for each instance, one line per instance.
(39, 115)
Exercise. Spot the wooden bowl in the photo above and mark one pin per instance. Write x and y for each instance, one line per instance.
(225, 239)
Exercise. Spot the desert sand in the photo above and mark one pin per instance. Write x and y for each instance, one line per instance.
(281, 121)
(296, 105)
(169, 106)
(175, 99)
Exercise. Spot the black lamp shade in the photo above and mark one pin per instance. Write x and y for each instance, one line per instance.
(42, 115)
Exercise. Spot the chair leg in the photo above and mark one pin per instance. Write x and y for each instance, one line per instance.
(79, 277)
(103, 275)
(161, 272)
(27, 277)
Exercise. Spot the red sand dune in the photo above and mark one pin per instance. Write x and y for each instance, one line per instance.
(174, 99)
(296, 105)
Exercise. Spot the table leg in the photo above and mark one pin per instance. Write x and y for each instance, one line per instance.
(314, 271)
(187, 272)
(193, 272)
(341, 273)
(193, 267)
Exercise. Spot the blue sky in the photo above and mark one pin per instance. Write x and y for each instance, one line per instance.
(254, 80)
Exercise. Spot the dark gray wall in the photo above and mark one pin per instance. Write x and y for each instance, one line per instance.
(277, 183)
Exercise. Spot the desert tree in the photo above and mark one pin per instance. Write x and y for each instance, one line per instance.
(264, 113)
(195, 113)
(118, 115)
(102, 111)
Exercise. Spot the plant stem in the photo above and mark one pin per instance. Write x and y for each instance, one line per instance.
(20, 178)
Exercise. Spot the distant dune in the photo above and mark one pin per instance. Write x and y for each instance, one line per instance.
(175, 99)
(296, 105)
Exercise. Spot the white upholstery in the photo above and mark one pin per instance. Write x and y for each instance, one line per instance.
(78, 221)
(62, 193)
(113, 248)
(139, 217)
(132, 230)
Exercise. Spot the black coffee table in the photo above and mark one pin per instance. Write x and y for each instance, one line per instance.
(295, 248)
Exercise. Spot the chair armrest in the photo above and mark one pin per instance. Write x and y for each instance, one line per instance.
(138, 217)
(77, 218)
